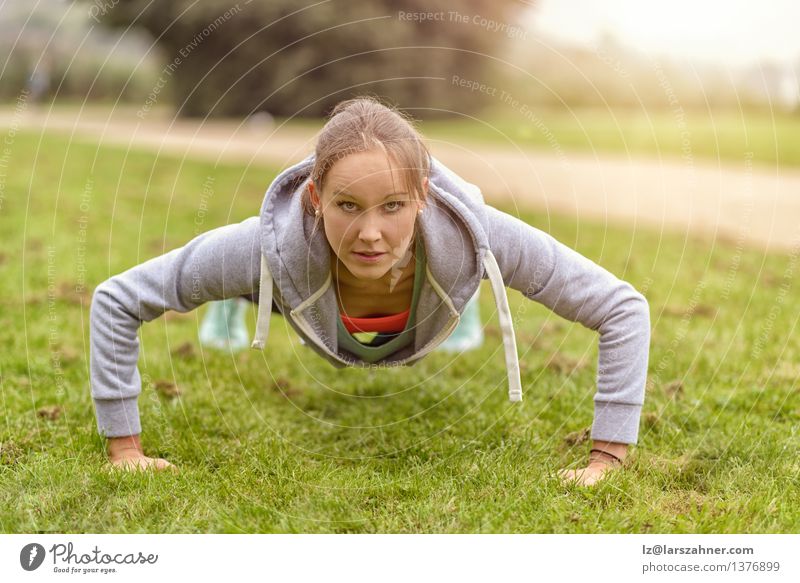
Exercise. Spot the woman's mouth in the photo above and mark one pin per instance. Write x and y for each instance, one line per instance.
(369, 257)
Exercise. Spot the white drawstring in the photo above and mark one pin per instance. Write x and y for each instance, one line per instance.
(264, 306)
(506, 326)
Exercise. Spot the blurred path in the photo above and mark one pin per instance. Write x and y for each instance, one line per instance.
(748, 204)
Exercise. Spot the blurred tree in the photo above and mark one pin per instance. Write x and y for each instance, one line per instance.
(298, 57)
(55, 50)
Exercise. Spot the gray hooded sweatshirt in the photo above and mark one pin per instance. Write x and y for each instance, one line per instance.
(285, 259)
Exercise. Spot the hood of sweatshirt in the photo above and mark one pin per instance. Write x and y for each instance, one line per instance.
(296, 262)
(298, 253)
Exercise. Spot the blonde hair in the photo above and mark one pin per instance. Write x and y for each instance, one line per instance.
(361, 124)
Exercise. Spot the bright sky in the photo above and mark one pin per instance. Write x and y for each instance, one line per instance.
(732, 32)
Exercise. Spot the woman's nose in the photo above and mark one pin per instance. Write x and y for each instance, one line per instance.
(369, 228)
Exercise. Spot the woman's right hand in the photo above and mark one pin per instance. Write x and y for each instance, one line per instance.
(126, 453)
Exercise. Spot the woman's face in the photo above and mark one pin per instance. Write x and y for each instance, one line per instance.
(368, 217)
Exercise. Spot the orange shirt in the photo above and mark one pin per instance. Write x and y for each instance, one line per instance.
(392, 323)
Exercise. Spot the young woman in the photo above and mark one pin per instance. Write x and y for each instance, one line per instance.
(371, 234)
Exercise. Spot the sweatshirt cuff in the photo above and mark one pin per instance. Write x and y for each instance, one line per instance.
(117, 417)
(617, 422)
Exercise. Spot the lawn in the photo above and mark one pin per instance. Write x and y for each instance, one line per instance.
(726, 136)
(281, 441)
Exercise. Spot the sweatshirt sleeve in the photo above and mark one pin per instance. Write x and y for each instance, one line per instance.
(577, 289)
(219, 264)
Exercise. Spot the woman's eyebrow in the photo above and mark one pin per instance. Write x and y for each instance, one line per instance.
(341, 192)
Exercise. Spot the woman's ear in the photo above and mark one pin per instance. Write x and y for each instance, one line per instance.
(424, 192)
(313, 195)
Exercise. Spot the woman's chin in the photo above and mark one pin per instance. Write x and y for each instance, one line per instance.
(361, 272)
(367, 271)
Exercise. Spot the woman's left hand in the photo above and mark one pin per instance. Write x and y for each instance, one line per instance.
(605, 457)
(590, 475)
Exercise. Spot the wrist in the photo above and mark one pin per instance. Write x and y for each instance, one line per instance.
(608, 452)
(126, 444)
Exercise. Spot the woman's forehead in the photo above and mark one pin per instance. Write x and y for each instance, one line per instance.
(364, 170)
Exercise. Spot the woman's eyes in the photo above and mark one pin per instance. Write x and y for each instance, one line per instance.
(344, 208)
(399, 204)
(392, 206)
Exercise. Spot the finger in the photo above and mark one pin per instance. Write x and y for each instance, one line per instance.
(133, 464)
(583, 479)
(138, 463)
(149, 463)
(594, 476)
(576, 476)
(122, 464)
(594, 479)
(568, 475)
(162, 464)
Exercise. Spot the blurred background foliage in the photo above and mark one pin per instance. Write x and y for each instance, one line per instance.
(79, 59)
(301, 57)
(221, 58)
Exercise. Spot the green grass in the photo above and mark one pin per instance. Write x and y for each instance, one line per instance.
(281, 441)
(727, 136)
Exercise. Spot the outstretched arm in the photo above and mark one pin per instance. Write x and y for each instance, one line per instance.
(579, 290)
(215, 265)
